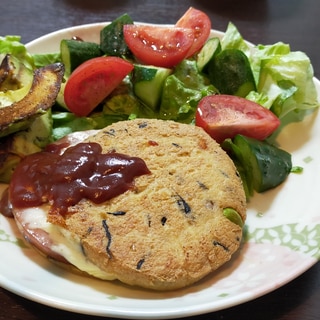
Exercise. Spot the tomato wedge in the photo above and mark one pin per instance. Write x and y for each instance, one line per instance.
(200, 23)
(158, 46)
(224, 116)
(91, 82)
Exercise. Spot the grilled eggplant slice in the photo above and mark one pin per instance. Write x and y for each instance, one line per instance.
(41, 96)
(15, 80)
(15, 147)
(14, 74)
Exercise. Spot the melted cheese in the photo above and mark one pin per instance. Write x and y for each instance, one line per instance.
(64, 243)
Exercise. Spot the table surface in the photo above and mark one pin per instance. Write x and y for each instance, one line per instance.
(260, 21)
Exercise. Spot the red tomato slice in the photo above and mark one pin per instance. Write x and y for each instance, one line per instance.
(200, 23)
(93, 81)
(158, 46)
(224, 116)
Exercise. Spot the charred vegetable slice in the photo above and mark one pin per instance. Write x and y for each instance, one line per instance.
(15, 80)
(44, 90)
(15, 147)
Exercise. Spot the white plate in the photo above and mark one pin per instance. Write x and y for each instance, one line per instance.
(283, 241)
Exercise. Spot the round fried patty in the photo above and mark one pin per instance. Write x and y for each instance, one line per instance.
(169, 230)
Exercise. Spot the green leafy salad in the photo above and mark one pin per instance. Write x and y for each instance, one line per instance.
(271, 75)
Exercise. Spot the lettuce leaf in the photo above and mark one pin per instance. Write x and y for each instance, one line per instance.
(232, 39)
(284, 78)
(41, 60)
(12, 45)
(182, 92)
(287, 80)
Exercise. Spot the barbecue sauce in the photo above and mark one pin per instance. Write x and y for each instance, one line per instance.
(82, 171)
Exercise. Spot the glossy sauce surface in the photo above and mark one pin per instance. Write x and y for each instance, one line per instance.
(82, 171)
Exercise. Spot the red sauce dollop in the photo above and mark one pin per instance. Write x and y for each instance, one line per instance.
(82, 171)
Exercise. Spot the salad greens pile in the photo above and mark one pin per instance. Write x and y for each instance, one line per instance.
(282, 82)
(283, 79)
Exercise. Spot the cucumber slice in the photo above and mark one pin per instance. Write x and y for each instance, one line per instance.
(148, 82)
(111, 37)
(231, 73)
(60, 97)
(75, 52)
(233, 216)
(263, 165)
(207, 53)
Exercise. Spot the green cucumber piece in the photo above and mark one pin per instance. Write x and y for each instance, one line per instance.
(263, 165)
(211, 48)
(111, 37)
(60, 97)
(230, 72)
(74, 52)
(233, 216)
(148, 82)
